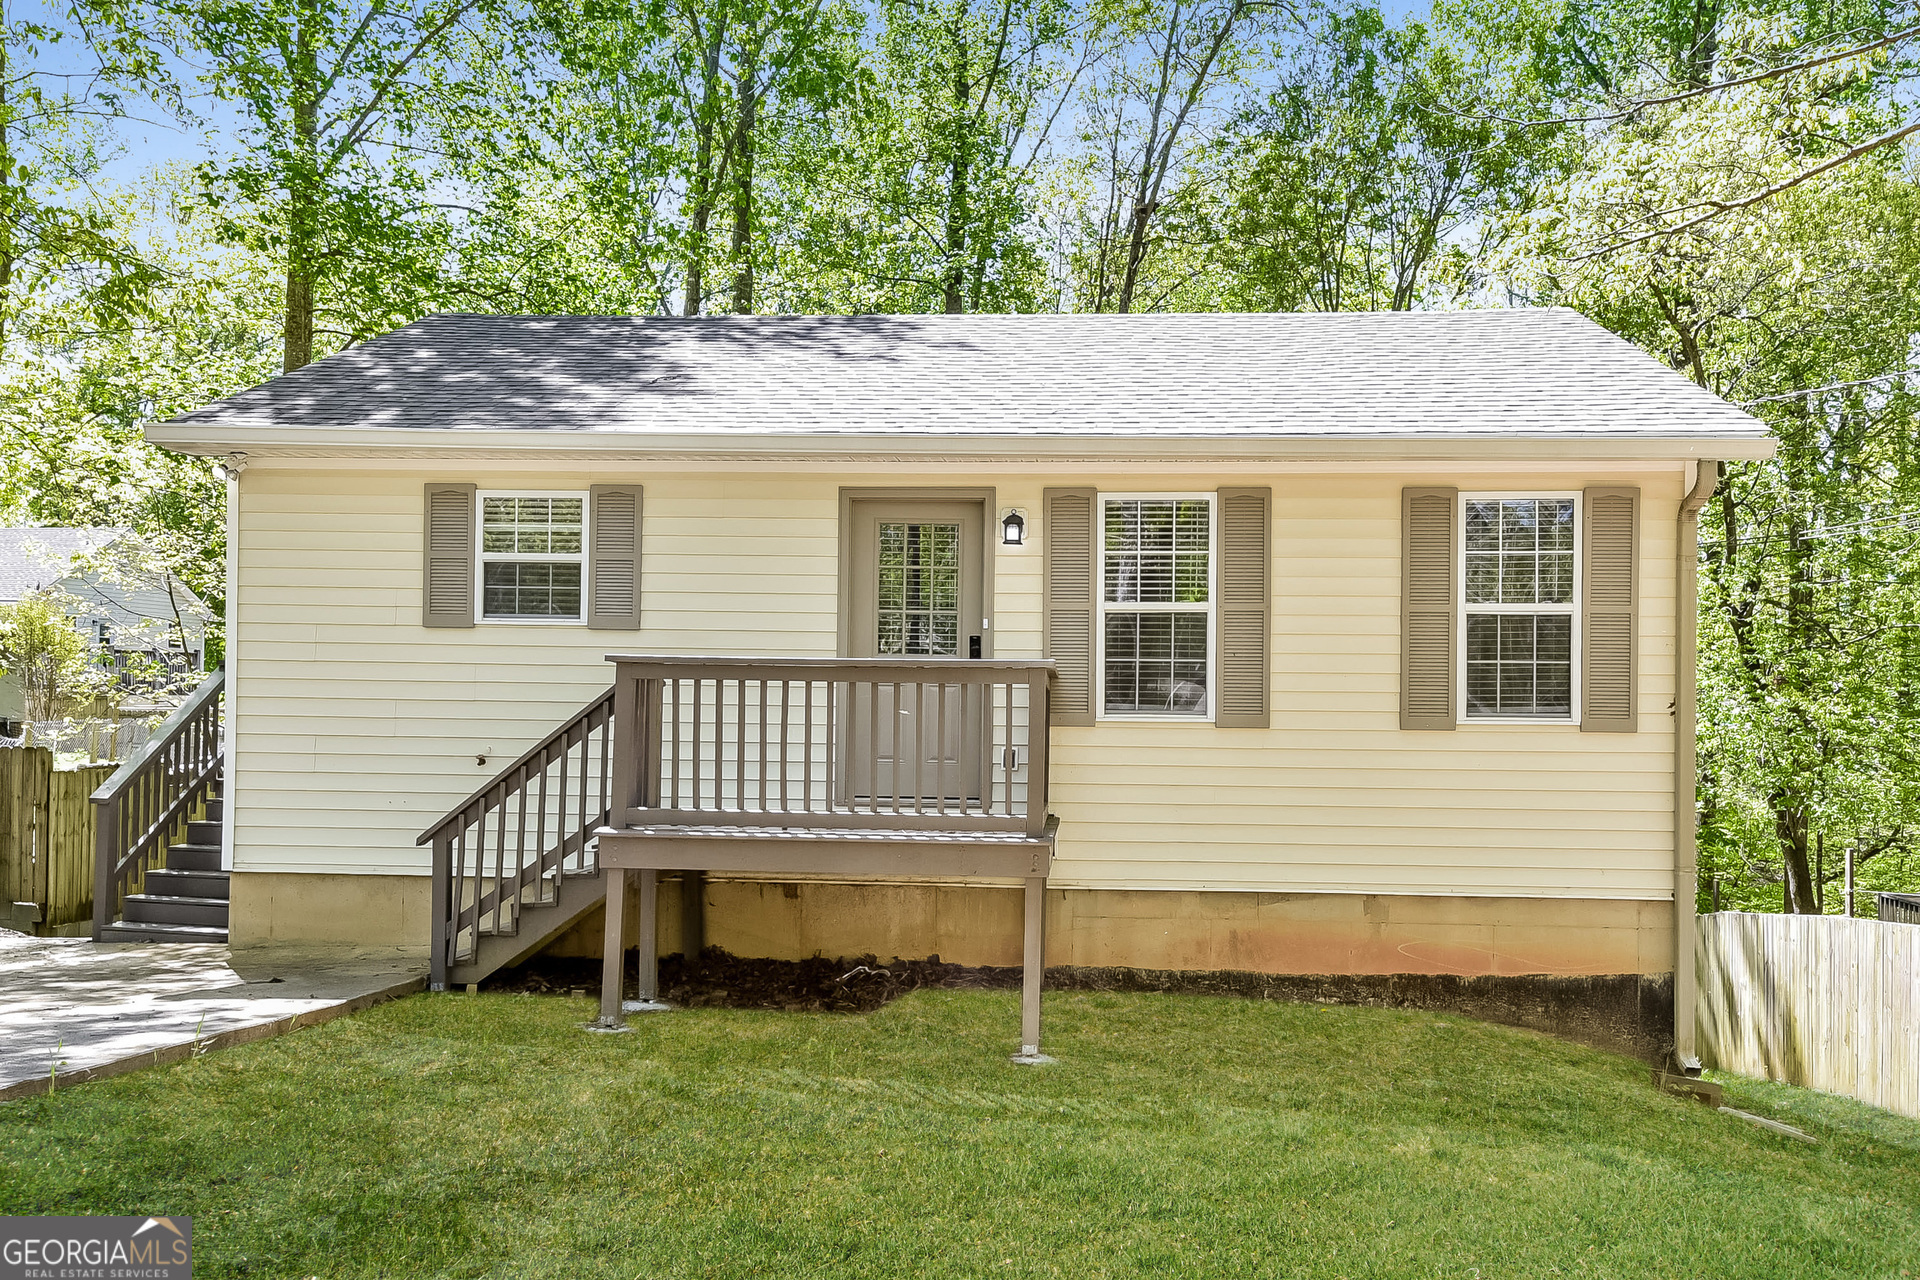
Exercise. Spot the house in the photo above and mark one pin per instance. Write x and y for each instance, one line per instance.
(1355, 645)
(141, 620)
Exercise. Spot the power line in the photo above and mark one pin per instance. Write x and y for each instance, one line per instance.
(1831, 386)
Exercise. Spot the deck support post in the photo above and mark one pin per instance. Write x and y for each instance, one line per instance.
(1033, 968)
(613, 969)
(649, 993)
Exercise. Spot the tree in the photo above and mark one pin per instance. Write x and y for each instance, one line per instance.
(58, 236)
(42, 649)
(334, 177)
(1167, 64)
(1355, 182)
(1801, 306)
(922, 183)
(75, 396)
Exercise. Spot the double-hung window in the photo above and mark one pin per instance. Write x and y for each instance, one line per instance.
(1157, 606)
(1519, 606)
(532, 561)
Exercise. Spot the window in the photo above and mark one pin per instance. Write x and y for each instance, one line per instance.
(919, 596)
(532, 556)
(1519, 577)
(1156, 606)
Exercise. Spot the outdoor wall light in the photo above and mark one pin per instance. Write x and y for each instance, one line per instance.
(230, 469)
(1013, 529)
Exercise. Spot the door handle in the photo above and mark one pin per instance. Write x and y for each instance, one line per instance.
(973, 646)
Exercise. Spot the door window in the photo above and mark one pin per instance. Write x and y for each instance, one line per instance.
(919, 590)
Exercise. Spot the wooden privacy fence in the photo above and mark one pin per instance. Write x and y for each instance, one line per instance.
(1821, 1001)
(46, 839)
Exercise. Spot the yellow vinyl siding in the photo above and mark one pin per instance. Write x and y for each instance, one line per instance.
(355, 726)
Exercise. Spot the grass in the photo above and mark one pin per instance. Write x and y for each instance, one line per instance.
(450, 1135)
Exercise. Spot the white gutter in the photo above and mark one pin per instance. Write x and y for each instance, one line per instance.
(272, 441)
(1685, 862)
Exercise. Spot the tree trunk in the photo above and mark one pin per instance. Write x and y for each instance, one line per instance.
(703, 179)
(15, 203)
(1790, 825)
(1136, 252)
(953, 274)
(296, 330)
(745, 90)
(303, 199)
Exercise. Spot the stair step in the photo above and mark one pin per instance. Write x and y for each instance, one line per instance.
(216, 809)
(160, 908)
(193, 857)
(199, 832)
(177, 882)
(136, 932)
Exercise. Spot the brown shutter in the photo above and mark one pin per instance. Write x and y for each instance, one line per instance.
(613, 558)
(1609, 611)
(1246, 522)
(447, 567)
(1069, 530)
(1427, 594)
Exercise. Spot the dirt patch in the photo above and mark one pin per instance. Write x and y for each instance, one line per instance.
(719, 980)
(1625, 1013)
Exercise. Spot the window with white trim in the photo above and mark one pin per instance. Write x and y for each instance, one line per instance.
(1519, 586)
(532, 561)
(1156, 605)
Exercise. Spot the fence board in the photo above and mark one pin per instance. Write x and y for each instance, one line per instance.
(23, 798)
(70, 861)
(46, 835)
(1821, 1001)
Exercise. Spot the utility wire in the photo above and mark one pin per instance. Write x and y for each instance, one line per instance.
(1831, 386)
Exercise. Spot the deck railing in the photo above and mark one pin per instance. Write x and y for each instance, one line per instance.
(507, 846)
(1898, 908)
(148, 801)
(892, 743)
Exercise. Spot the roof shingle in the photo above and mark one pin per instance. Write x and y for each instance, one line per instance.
(1547, 373)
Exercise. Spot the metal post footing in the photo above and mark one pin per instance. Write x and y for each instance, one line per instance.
(644, 1006)
(608, 1026)
(1030, 1056)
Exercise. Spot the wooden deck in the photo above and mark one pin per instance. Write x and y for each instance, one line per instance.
(893, 767)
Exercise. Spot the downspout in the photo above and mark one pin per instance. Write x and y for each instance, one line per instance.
(230, 471)
(1686, 653)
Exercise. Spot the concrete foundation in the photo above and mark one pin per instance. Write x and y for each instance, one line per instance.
(272, 908)
(1272, 933)
(1278, 933)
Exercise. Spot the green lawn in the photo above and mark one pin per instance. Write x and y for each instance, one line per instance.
(1190, 1136)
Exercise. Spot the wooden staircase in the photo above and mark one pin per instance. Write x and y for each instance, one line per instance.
(516, 864)
(157, 825)
(184, 900)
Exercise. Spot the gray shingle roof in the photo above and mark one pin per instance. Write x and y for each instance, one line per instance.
(1500, 373)
(32, 559)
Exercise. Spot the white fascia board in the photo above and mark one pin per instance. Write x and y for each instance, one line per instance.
(889, 446)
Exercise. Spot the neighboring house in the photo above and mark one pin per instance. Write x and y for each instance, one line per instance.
(1365, 629)
(140, 619)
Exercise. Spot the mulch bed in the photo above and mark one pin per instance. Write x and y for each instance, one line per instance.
(1622, 1013)
(719, 980)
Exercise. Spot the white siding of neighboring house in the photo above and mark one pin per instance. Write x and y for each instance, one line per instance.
(143, 614)
(357, 727)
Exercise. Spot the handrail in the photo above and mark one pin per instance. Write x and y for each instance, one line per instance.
(150, 798)
(526, 757)
(511, 843)
(170, 729)
(951, 667)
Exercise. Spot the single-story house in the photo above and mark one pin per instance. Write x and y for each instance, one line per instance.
(139, 617)
(1354, 645)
